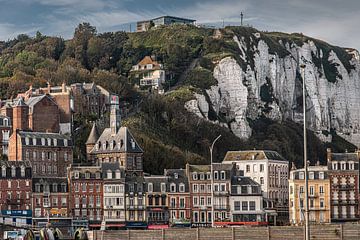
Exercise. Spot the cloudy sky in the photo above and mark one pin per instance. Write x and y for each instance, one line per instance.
(335, 21)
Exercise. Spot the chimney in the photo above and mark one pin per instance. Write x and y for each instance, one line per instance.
(63, 87)
(48, 88)
(20, 115)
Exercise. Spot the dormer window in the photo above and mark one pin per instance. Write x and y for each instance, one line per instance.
(3, 171)
(22, 171)
(105, 145)
(65, 142)
(109, 174)
(13, 171)
(163, 187)
(55, 187)
(222, 175)
(6, 122)
(87, 175)
(172, 187)
(55, 142)
(76, 174)
(98, 145)
(150, 187)
(97, 175)
(194, 176)
(27, 140)
(132, 143)
(202, 177)
(118, 174)
(216, 175)
(49, 141)
(43, 141)
(34, 141)
(181, 187)
(176, 175)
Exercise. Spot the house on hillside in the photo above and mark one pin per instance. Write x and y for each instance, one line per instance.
(150, 73)
(143, 26)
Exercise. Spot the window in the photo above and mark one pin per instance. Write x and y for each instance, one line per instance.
(182, 202)
(261, 167)
(321, 189)
(13, 171)
(321, 175)
(172, 187)
(202, 201)
(150, 187)
(222, 175)
(49, 141)
(22, 171)
(216, 175)
(311, 175)
(311, 203)
(202, 188)
(301, 189)
(245, 206)
(83, 187)
(27, 140)
(3, 171)
(43, 141)
(247, 168)
(98, 204)
(55, 142)
(237, 206)
(262, 180)
(34, 141)
(301, 175)
(65, 156)
(252, 205)
(195, 188)
(65, 142)
(182, 187)
(202, 176)
(55, 187)
(322, 203)
(311, 190)
(195, 201)
(173, 202)
(194, 176)
(163, 187)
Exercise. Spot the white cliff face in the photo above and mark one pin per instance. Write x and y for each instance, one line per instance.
(239, 94)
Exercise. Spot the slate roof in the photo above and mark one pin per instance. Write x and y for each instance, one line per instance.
(93, 136)
(233, 156)
(32, 101)
(156, 181)
(60, 138)
(344, 157)
(20, 102)
(17, 164)
(177, 176)
(123, 141)
(113, 167)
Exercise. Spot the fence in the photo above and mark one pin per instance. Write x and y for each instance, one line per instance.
(328, 232)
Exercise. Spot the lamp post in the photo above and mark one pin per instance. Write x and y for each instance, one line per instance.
(212, 180)
(307, 229)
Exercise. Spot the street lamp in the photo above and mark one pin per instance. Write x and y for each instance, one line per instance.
(212, 180)
(307, 229)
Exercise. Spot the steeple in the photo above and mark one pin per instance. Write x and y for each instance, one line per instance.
(115, 117)
(90, 143)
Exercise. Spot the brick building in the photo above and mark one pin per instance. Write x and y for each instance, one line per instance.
(86, 196)
(15, 191)
(344, 184)
(49, 153)
(5, 133)
(179, 200)
(50, 202)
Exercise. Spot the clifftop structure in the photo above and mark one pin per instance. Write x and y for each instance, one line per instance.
(164, 20)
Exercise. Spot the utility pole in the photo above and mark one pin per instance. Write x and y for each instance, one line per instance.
(241, 16)
(212, 181)
(307, 229)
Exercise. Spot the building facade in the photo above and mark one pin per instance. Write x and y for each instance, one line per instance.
(86, 196)
(15, 192)
(157, 209)
(246, 200)
(114, 195)
(150, 73)
(135, 202)
(344, 183)
(160, 21)
(50, 202)
(5, 133)
(179, 200)
(319, 195)
(270, 170)
(49, 153)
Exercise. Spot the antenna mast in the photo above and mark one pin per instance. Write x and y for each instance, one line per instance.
(241, 16)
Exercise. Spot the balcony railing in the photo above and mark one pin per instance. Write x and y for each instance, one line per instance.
(221, 207)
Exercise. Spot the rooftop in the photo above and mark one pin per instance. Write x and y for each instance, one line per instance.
(233, 156)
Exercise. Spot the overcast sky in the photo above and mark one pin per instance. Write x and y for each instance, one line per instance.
(335, 21)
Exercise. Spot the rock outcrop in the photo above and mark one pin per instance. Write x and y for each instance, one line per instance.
(269, 84)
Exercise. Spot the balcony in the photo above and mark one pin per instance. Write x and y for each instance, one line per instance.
(221, 193)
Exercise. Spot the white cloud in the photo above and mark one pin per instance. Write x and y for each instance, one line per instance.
(7, 30)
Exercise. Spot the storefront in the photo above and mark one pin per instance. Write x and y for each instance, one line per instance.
(17, 218)
(136, 225)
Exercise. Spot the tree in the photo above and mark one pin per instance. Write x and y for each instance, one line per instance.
(83, 33)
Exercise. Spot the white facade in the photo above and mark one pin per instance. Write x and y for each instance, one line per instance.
(246, 205)
(114, 201)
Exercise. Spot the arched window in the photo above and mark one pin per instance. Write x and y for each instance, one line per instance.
(27, 140)
(3, 171)
(172, 187)
(150, 187)
(181, 187)
(6, 122)
(22, 170)
(13, 171)
(43, 141)
(65, 142)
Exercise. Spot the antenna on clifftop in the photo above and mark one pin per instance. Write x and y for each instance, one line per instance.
(241, 16)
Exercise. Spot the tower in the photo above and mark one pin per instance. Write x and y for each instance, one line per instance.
(90, 143)
(20, 115)
(115, 116)
(242, 16)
